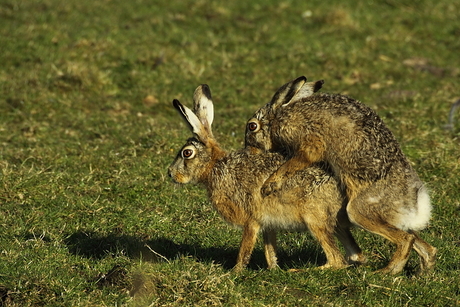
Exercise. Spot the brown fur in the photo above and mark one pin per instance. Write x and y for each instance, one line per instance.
(385, 194)
(307, 199)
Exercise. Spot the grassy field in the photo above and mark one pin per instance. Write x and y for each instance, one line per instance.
(88, 216)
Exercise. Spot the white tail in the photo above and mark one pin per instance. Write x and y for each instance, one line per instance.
(418, 219)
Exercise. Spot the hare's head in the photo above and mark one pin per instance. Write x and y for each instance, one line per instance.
(258, 127)
(197, 157)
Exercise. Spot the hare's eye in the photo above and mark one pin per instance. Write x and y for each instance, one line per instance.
(253, 126)
(188, 153)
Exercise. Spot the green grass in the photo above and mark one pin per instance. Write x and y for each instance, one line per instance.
(88, 216)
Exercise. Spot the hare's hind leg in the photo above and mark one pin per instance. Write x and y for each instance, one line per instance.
(270, 248)
(404, 241)
(426, 252)
(354, 254)
(248, 240)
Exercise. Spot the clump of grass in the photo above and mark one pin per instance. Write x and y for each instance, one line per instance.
(188, 283)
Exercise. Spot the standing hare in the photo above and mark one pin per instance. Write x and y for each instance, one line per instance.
(307, 199)
(385, 195)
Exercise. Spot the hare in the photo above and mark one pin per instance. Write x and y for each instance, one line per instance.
(308, 199)
(385, 195)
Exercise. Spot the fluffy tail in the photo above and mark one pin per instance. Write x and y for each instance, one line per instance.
(418, 218)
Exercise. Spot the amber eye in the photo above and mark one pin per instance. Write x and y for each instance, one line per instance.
(253, 126)
(188, 153)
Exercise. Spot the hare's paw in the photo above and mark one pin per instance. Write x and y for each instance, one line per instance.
(270, 187)
(357, 260)
(333, 266)
(427, 263)
(238, 268)
(297, 270)
(390, 270)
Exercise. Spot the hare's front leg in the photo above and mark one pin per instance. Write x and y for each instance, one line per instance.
(325, 236)
(311, 150)
(248, 240)
(275, 181)
(270, 248)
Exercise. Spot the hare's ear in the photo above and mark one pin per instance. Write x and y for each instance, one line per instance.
(307, 90)
(194, 124)
(285, 93)
(203, 107)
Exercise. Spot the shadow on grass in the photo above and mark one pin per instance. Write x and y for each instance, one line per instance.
(93, 245)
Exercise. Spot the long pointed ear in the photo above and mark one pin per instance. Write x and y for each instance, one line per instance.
(307, 90)
(193, 123)
(285, 93)
(203, 107)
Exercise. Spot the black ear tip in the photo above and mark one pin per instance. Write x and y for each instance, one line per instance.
(206, 91)
(176, 103)
(301, 78)
(318, 85)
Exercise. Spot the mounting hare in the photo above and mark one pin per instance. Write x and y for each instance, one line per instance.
(385, 194)
(308, 199)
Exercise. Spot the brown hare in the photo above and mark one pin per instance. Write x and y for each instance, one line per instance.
(385, 195)
(307, 199)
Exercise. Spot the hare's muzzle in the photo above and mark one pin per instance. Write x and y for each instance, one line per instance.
(170, 173)
(174, 175)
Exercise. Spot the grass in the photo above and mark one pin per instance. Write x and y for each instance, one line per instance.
(88, 215)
